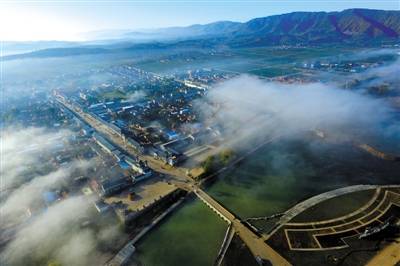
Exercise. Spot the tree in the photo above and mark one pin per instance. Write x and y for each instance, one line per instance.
(209, 164)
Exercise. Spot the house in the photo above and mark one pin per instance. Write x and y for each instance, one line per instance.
(103, 143)
(117, 154)
(167, 157)
(140, 177)
(114, 185)
(137, 165)
(86, 131)
(124, 165)
(171, 135)
(121, 124)
(101, 206)
(135, 144)
(83, 96)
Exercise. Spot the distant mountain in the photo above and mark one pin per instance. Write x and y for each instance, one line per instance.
(355, 27)
(13, 47)
(308, 27)
(197, 30)
(58, 52)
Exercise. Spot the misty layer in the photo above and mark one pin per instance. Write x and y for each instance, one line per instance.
(58, 233)
(135, 96)
(31, 192)
(383, 75)
(22, 148)
(248, 109)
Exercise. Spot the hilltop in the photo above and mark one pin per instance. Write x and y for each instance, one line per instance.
(354, 27)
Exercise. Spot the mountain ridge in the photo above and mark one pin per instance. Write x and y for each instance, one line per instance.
(356, 27)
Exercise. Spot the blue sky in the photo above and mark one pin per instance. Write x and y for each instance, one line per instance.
(65, 19)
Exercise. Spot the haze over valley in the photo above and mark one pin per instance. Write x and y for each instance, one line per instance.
(251, 140)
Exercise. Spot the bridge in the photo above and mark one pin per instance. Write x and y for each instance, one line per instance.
(254, 242)
(215, 206)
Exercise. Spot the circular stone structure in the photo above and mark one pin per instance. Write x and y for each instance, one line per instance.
(326, 229)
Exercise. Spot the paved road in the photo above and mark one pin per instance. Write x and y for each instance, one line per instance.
(117, 140)
(390, 255)
(255, 243)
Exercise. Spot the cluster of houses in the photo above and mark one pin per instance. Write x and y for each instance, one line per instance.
(138, 170)
(203, 78)
(344, 66)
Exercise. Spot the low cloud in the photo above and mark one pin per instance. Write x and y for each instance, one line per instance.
(383, 74)
(248, 109)
(371, 53)
(69, 230)
(135, 96)
(57, 234)
(30, 193)
(22, 148)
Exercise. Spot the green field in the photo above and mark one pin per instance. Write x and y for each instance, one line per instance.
(335, 207)
(262, 61)
(284, 173)
(113, 95)
(191, 236)
(272, 72)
